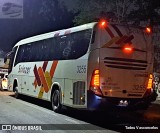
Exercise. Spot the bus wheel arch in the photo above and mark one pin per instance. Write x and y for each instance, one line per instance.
(56, 98)
(15, 88)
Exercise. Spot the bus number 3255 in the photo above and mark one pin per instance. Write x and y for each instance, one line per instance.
(139, 87)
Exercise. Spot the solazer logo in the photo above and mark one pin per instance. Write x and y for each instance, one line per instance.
(23, 69)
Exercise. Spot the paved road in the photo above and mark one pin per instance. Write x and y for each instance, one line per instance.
(28, 110)
(18, 111)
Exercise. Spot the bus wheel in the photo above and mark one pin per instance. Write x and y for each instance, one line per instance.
(56, 106)
(15, 90)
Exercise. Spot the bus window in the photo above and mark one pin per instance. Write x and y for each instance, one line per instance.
(28, 52)
(11, 59)
(19, 55)
(80, 43)
(48, 49)
(68, 47)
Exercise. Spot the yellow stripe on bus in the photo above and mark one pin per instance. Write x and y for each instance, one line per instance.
(40, 95)
(48, 79)
(113, 40)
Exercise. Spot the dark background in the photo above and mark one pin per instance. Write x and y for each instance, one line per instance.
(34, 22)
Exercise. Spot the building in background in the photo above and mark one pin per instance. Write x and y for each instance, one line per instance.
(3, 66)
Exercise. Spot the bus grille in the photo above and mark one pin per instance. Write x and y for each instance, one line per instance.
(122, 63)
(78, 92)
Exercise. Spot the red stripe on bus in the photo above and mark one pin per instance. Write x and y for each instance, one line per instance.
(43, 80)
(128, 40)
(38, 81)
(53, 68)
(35, 83)
(44, 69)
(45, 65)
(121, 40)
(109, 32)
(117, 30)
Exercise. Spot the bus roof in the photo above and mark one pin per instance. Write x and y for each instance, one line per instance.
(56, 33)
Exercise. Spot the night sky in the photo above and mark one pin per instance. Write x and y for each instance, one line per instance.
(35, 21)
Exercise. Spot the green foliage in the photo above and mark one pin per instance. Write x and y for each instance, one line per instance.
(147, 10)
(115, 10)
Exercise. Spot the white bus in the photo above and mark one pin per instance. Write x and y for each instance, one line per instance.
(85, 67)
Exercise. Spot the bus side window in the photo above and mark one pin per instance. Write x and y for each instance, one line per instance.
(68, 48)
(62, 43)
(41, 52)
(53, 49)
(80, 43)
(19, 56)
(28, 53)
(38, 51)
(56, 48)
(35, 51)
(47, 49)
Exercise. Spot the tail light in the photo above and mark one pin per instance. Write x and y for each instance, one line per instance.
(128, 49)
(95, 83)
(150, 82)
(103, 23)
(148, 29)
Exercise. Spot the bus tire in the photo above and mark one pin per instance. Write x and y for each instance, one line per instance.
(56, 105)
(15, 90)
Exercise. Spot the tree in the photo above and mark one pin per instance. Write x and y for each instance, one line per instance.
(92, 10)
(86, 11)
(118, 10)
(54, 12)
(146, 10)
(47, 9)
